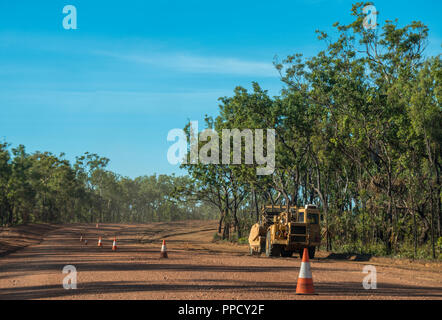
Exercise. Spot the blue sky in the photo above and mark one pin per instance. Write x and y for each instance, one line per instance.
(134, 70)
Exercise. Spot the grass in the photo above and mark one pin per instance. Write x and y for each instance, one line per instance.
(404, 251)
(233, 239)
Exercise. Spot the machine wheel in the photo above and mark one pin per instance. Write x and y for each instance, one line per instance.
(271, 249)
(262, 248)
(311, 252)
(286, 253)
(253, 252)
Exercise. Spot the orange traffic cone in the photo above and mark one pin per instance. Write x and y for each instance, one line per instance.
(163, 253)
(305, 280)
(114, 245)
(99, 242)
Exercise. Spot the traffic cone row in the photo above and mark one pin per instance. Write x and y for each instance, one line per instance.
(305, 280)
(163, 253)
(100, 242)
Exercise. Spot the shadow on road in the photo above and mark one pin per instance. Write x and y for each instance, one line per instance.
(327, 289)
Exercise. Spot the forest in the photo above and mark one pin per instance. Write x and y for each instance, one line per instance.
(42, 187)
(358, 133)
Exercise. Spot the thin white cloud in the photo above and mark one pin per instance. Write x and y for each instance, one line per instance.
(141, 52)
(113, 101)
(198, 64)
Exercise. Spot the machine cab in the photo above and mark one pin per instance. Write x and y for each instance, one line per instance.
(309, 214)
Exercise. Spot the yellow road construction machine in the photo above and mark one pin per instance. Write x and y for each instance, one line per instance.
(282, 231)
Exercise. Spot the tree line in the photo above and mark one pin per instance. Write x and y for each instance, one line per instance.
(358, 132)
(43, 187)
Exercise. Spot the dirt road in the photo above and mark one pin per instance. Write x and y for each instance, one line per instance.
(195, 269)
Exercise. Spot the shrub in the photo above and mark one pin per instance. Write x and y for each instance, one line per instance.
(243, 240)
(216, 237)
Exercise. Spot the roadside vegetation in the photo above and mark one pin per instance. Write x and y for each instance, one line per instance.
(43, 187)
(358, 133)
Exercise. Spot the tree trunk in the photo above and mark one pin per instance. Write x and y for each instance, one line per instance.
(255, 200)
(432, 226)
(236, 226)
(220, 224)
(235, 217)
(415, 234)
(226, 232)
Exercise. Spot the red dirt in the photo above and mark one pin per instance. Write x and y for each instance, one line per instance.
(196, 268)
(18, 237)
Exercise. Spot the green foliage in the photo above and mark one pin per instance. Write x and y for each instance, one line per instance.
(243, 240)
(42, 187)
(358, 132)
(216, 237)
